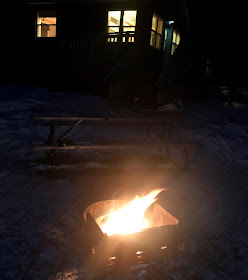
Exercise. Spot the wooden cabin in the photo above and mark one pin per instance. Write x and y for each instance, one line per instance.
(118, 48)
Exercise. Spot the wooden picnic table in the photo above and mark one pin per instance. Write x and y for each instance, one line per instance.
(155, 128)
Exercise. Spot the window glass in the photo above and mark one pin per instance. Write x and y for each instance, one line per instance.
(114, 18)
(113, 29)
(160, 26)
(152, 40)
(129, 18)
(178, 39)
(154, 22)
(173, 47)
(125, 29)
(174, 37)
(46, 24)
(158, 41)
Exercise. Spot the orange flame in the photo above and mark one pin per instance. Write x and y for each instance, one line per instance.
(130, 218)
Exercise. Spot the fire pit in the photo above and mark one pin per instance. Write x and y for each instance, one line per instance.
(118, 233)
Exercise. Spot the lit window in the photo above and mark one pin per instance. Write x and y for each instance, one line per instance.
(114, 20)
(121, 23)
(175, 41)
(46, 24)
(156, 32)
(129, 21)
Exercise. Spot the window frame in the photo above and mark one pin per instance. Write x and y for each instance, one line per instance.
(165, 40)
(121, 36)
(39, 25)
(156, 33)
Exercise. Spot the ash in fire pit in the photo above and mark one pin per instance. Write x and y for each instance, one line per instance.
(119, 233)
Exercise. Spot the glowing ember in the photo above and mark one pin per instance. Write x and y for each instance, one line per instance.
(130, 218)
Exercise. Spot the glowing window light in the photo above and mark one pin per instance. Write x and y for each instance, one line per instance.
(46, 24)
(156, 32)
(175, 41)
(122, 22)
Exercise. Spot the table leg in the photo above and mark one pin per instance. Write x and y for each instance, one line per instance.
(51, 136)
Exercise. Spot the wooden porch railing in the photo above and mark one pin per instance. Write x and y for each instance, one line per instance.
(83, 52)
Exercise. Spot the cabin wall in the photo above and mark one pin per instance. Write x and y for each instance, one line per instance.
(78, 48)
(77, 21)
(87, 18)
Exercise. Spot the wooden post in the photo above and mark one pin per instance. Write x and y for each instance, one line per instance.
(51, 136)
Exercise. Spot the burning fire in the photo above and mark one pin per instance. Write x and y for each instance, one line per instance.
(130, 218)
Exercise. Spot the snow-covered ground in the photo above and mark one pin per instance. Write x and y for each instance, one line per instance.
(41, 209)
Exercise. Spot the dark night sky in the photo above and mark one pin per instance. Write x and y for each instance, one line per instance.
(219, 25)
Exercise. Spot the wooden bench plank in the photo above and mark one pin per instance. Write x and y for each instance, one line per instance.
(107, 120)
(98, 147)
